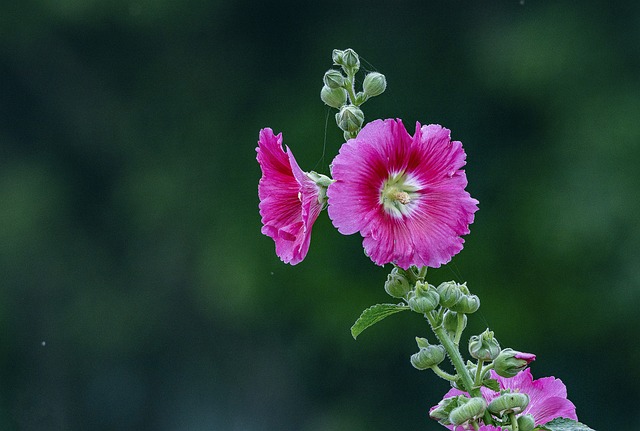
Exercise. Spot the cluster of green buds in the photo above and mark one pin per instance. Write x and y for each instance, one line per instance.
(339, 91)
(446, 308)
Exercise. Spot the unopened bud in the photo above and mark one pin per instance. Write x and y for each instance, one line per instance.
(451, 321)
(334, 97)
(484, 346)
(510, 362)
(467, 304)
(450, 293)
(350, 60)
(374, 84)
(337, 56)
(350, 118)
(333, 79)
(424, 298)
(428, 356)
(526, 423)
(473, 408)
(509, 402)
(397, 284)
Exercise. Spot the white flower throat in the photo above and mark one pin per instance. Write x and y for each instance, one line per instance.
(398, 194)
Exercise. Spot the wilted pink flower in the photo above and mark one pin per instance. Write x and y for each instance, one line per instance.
(289, 202)
(404, 194)
(547, 396)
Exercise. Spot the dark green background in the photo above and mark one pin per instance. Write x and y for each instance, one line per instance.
(137, 292)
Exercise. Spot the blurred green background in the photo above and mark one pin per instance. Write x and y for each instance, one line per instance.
(137, 292)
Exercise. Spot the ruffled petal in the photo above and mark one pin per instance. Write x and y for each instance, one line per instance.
(426, 230)
(288, 199)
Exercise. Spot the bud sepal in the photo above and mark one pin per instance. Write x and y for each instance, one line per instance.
(484, 346)
(424, 298)
(510, 362)
(428, 356)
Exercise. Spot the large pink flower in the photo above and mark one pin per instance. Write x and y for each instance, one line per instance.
(289, 203)
(547, 396)
(404, 194)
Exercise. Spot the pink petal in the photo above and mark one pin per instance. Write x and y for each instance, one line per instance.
(288, 199)
(428, 233)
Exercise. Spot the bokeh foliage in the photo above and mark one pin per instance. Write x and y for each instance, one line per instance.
(137, 291)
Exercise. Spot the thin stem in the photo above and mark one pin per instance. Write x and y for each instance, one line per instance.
(479, 373)
(475, 425)
(350, 81)
(487, 368)
(436, 369)
(459, 328)
(454, 355)
(514, 421)
(422, 273)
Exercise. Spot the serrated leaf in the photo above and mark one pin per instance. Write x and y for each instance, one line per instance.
(492, 384)
(564, 424)
(373, 315)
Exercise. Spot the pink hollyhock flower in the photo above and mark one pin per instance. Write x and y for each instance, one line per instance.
(547, 396)
(404, 194)
(289, 200)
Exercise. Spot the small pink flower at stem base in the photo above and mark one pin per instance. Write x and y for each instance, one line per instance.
(404, 194)
(289, 200)
(547, 397)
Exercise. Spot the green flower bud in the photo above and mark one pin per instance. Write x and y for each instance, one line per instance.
(397, 284)
(464, 289)
(374, 84)
(484, 346)
(333, 79)
(509, 402)
(424, 298)
(350, 118)
(443, 409)
(471, 409)
(334, 97)
(350, 60)
(451, 321)
(428, 356)
(467, 304)
(450, 293)
(337, 56)
(510, 362)
(526, 423)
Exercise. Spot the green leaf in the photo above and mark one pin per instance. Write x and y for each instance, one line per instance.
(491, 384)
(563, 424)
(373, 315)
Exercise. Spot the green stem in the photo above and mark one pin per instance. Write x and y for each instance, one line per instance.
(514, 421)
(454, 355)
(459, 328)
(479, 373)
(350, 81)
(436, 369)
(475, 425)
(487, 368)
(457, 361)
(422, 273)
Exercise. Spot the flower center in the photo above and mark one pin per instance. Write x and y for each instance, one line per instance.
(398, 194)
